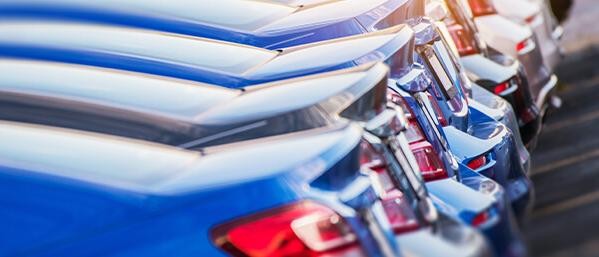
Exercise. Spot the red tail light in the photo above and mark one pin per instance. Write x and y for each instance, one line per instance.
(480, 219)
(300, 229)
(413, 131)
(401, 216)
(478, 162)
(481, 7)
(522, 46)
(430, 165)
(438, 111)
(530, 19)
(501, 87)
(464, 42)
(484, 217)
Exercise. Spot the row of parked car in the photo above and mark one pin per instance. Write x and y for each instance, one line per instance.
(271, 127)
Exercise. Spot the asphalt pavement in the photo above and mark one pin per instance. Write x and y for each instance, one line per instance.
(565, 220)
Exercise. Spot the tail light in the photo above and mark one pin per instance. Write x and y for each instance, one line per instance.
(300, 229)
(530, 19)
(413, 131)
(522, 46)
(481, 7)
(478, 162)
(464, 42)
(401, 216)
(429, 163)
(483, 218)
(438, 111)
(427, 158)
(501, 87)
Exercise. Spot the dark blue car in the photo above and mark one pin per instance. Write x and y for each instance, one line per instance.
(194, 60)
(175, 165)
(285, 25)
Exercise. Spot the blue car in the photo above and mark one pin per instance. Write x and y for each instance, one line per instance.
(60, 44)
(109, 196)
(286, 26)
(314, 170)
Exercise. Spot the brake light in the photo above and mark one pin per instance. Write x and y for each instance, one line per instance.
(530, 19)
(484, 217)
(481, 7)
(463, 41)
(437, 111)
(369, 157)
(413, 131)
(501, 87)
(401, 216)
(300, 229)
(525, 44)
(375, 161)
(478, 162)
(480, 219)
(429, 163)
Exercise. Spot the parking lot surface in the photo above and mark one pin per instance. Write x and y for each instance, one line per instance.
(565, 221)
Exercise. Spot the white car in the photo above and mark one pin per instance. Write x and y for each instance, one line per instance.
(537, 15)
(518, 41)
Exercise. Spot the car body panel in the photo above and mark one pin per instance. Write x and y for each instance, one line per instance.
(385, 50)
(198, 67)
(533, 15)
(187, 180)
(501, 33)
(110, 207)
(239, 113)
(479, 67)
(267, 26)
(490, 70)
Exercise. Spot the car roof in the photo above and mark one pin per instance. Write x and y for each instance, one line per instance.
(199, 59)
(159, 169)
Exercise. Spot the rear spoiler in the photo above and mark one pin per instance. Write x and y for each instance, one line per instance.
(266, 110)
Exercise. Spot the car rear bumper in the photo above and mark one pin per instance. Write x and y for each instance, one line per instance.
(545, 93)
(449, 238)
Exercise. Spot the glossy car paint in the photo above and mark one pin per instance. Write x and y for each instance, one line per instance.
(503, 36)
(534, 15)
(75, 89)
(182, 113)
(458, 201)
(161, 202)
(385, 14)
(500, 145)
(261, 73)
(310, 18)
(267, 25)
(371, 20)
(490, 70)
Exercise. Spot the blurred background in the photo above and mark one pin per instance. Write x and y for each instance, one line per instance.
(565, 221)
